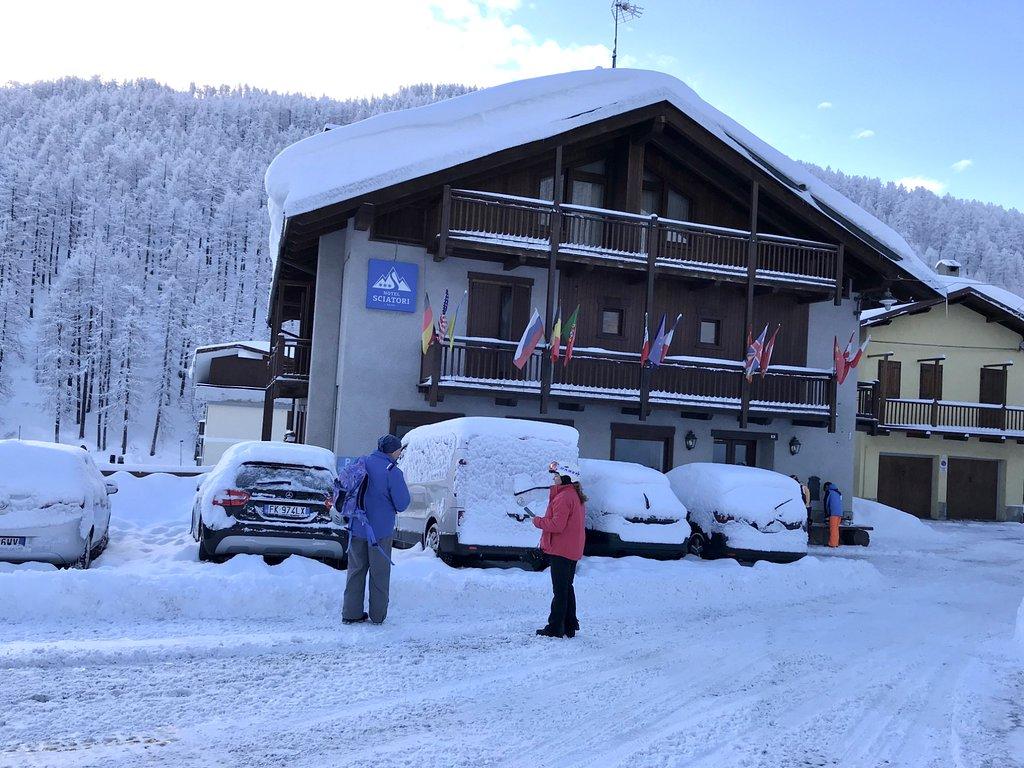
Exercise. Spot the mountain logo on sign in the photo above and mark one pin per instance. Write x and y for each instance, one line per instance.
(392, 281)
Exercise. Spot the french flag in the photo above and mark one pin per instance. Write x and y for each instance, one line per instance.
(531, 338)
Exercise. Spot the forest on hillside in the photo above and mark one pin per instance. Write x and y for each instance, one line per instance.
(133, 228)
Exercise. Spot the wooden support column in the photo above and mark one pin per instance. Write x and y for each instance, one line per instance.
(652, 262)
(446, 224)
(840, 256)
(434, 360)
(268, 412)
(833, 397)
(748, 325)
(546, 367)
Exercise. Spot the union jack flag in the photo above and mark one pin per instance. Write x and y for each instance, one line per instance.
(442, 321)
(754, 350)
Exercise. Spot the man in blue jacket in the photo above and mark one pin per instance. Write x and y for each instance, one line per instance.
(833, 504)
(370, 549)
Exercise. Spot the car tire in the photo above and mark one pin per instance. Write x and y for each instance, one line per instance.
(100, 548)
(204, 553)
(697, 545)
(85, 560)
(432, 537)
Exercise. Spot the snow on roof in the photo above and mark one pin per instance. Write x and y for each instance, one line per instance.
(372, 154)
(948, 263)
(199, 368)
(949, 286)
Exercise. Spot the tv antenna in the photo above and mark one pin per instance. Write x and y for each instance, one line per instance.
(626, 11)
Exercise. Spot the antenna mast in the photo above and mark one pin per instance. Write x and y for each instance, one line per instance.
(626, 11)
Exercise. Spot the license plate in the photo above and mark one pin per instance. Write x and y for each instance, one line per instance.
(286, 510)
(12, 541)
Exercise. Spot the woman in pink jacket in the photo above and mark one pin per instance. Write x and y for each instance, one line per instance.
(562, 539)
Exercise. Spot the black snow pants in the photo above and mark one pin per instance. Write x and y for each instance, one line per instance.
(562, 620)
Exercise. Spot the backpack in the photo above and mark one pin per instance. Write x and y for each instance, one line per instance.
(350, 488)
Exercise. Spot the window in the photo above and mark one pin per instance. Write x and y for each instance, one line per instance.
(730, 451)
(676, 206)
(403, 421)
(611, 322)
(643, 444)
(709, 333)
(547, 188)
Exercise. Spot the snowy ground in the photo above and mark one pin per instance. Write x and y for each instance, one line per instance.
(902, 654)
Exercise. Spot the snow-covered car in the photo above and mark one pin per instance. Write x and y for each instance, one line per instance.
(632, 510)
(54, 504)
(272, 499)
(463, 475)
(742, 512)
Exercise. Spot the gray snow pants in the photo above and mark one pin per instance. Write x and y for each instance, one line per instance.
(363, 558)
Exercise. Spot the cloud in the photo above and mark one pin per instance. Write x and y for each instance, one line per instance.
(825, 105)
(962, 165)
(352, 49)
(867, 133)
(922, 182)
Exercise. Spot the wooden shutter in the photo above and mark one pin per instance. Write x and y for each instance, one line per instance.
(993, 386)
(889, 378)
(931, 381)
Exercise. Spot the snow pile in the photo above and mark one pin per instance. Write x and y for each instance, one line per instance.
(48, 483)
(752, 496)
(372, 154)
(892, 526)
(483, 457)
(620, 494)
(1019, 633)
(225, 473)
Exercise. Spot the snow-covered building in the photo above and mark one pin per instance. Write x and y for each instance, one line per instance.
(617, 191)
(230, 383)
(940, 412)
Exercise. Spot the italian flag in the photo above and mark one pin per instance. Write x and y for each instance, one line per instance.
(556, 335)
(427, 334)
(570, 335)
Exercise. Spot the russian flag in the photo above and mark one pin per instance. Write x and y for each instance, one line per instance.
(531, 338)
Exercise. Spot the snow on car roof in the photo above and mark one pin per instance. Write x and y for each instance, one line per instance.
(369, 155)
(50, 472)
(621, 472)
(476, 426)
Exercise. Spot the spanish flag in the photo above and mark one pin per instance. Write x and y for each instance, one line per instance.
(427, 335)
(556, 335)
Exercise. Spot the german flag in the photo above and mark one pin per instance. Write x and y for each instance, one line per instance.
(556, 335)
(427, 334)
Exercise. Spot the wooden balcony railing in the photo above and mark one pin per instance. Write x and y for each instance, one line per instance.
(593, 374)
(953, 417)
(867, 400)
(483, 218)
(290, 358)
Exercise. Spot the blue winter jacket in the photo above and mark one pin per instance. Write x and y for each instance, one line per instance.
(386, 494)
(834, 502)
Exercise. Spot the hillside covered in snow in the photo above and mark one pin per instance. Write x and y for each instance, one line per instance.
(133, 227)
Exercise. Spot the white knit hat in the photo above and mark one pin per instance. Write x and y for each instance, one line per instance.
(565, 468)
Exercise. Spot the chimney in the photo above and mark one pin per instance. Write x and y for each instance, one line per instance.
(948, 267)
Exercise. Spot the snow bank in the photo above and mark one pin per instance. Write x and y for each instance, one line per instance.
(372, 154)
(620, 493)
(1019, 633)
(482, 457)
(224, 473)
(47, 484)
(892, 526)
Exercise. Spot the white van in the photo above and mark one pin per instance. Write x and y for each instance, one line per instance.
(463, 475)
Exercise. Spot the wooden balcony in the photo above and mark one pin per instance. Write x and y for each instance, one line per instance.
(484, 366)
(948, 418)
(518, 227)
(289, 366)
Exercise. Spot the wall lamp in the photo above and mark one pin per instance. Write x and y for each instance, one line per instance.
(794, 446)
(690, 441)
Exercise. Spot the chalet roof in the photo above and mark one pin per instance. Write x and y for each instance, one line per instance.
(991, 301)
(342, 163)
(199, 367)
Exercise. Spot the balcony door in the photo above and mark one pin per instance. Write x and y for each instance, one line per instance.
(499, 309)
(587, 186)
(743, 453)
(992, 390)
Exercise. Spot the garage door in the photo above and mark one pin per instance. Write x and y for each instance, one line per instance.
(905, 482)
(972, 489)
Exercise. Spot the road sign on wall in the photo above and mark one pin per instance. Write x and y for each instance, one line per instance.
(391, 285)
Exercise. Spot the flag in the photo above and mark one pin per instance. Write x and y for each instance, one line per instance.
(839, 360)
(645, 350)
(556, 335)
(531, 338)
(427, 333)
(442, 321)
(852, 361)
(766, 354)
(754, 350)
(668, 338)
(455, 319)
(570, 335)
(658, 346)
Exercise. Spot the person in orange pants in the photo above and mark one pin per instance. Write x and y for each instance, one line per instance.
(833, 504)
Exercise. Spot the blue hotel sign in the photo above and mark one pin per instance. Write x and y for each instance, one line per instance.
(391, 285)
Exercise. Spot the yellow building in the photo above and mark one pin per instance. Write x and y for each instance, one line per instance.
(941, 404)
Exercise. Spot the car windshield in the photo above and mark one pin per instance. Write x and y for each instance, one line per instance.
(285, 476)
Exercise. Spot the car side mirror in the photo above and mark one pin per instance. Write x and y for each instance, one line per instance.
(111, 488)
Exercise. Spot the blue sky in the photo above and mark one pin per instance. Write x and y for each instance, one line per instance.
(925, 84)
(935, 82)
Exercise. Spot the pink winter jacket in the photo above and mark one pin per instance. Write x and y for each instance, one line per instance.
(563, 523)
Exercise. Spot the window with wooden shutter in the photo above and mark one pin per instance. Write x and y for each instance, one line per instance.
(931, 381)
